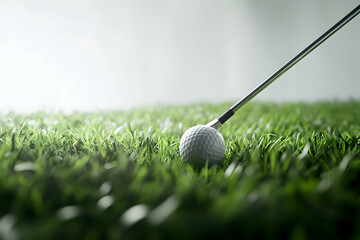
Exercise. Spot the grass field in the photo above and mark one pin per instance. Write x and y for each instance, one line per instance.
(290, 171)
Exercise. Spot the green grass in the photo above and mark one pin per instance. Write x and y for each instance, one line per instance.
(290, 171)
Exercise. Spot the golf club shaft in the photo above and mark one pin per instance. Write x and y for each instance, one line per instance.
(216, 123)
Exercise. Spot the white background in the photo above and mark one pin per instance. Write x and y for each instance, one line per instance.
(98, 55)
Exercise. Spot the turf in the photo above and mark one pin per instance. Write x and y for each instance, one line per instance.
(290, 171)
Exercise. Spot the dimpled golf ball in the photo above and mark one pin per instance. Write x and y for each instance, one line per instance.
(200, 144)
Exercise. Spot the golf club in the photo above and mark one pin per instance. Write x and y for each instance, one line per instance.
(217, 123)
(203, 143)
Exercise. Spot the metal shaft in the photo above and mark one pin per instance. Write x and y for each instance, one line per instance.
(224, 117)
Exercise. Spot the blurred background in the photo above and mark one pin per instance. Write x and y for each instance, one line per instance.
(103, 55)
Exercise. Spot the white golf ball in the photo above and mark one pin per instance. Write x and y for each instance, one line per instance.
(200, 144)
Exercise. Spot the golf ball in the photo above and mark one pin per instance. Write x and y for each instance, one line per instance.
(200, 144)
